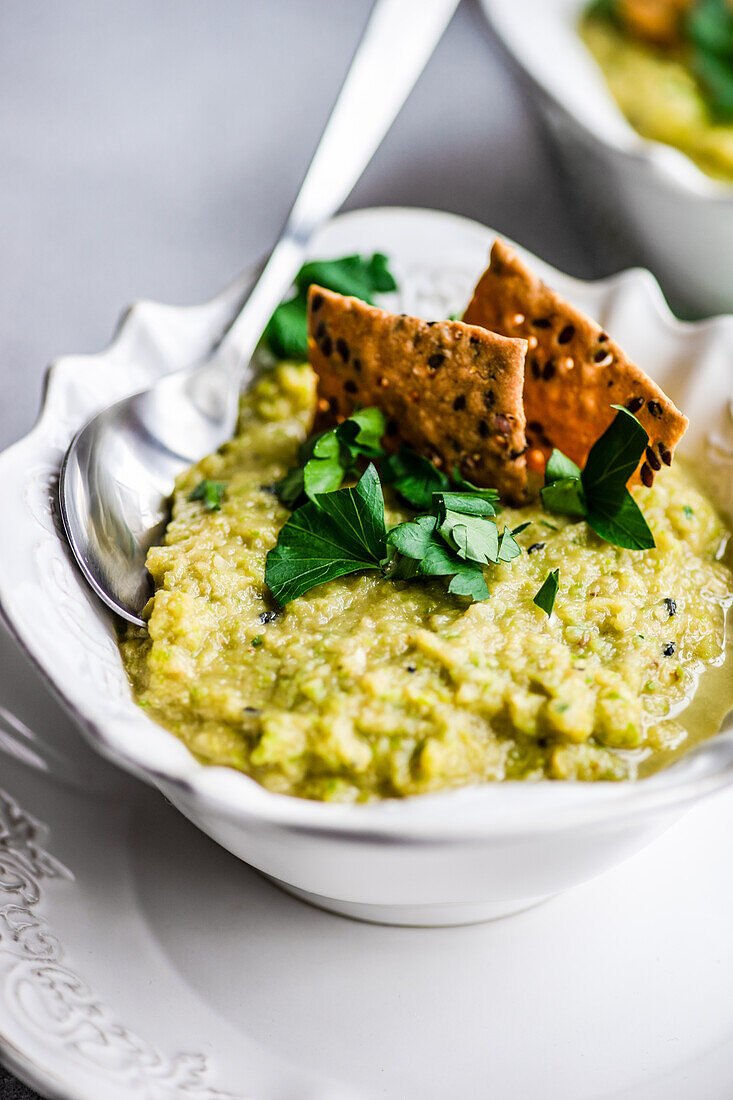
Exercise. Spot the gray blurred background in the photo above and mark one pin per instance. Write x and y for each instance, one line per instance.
(150, 148)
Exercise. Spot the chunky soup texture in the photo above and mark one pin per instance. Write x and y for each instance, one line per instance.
(365, 688)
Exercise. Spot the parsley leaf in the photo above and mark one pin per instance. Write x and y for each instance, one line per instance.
(286, 333)
(287, 330)
(566, 497)
(563, 490)
(492, 495)
(338, 533)
(343, 531)
(428, 555)
(599, 493)
(509, 548)
(545, 598)
(413, 477)
(354, 276)
(325, 460)
(362, 433)
(614, 456)
(621, 522)
(416, 480)
(709, 28)
(471, 536)
(469, 582)
(209, 493)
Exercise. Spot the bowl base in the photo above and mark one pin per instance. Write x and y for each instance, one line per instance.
(415, 916)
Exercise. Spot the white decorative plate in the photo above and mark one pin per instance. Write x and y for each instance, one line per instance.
(139, 961)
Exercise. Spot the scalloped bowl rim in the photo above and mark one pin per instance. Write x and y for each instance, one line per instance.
(511, 808)
(609, 127)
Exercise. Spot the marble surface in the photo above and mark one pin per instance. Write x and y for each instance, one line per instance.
(152, 150)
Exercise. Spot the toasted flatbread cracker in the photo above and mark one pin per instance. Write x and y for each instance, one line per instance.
(574, 371)
(450, 391)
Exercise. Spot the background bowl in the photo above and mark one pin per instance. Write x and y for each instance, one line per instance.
(643, 201)
(436, 859)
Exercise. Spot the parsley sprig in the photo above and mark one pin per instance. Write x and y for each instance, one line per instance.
(326, 460)
(344, 532)
(455, 539)
(337, 533)
(356, 276)
(598, 493)
(456, 533)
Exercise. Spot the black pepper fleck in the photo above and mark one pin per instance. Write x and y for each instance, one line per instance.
(671, 605)
(460, 402)
(668, 650)
(536, 546)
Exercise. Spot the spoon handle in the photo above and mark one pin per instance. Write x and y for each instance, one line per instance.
(399, 38)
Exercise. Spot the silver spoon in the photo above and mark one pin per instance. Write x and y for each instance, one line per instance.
(119, 471)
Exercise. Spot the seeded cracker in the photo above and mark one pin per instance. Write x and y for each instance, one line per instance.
(574, 371)
(450, 391)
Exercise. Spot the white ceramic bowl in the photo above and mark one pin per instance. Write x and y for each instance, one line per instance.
(649, 198)
(436, 859)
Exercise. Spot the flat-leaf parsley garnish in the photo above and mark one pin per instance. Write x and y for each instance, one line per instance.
(210, 494)
(413, 477)
(327, 459)
(344, 531)
(598, 494)
(338, 533)
(545, 598)
(355, 276)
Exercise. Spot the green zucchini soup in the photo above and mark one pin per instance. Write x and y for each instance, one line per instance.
(346, 616)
